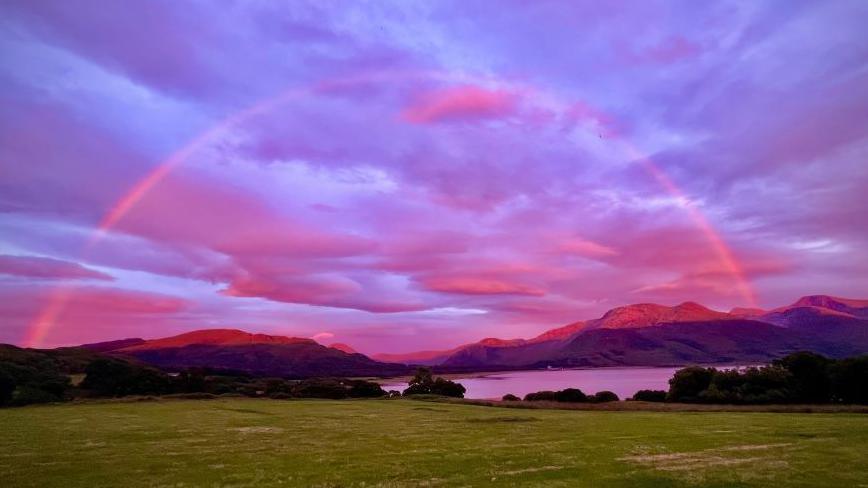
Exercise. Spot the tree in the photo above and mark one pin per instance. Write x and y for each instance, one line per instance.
(849, 380)
(366, 389)
(688, 383)
(541, 396)
(571, 395)
(28, 395)
(114, 377)
(423, 383)
(650, 396)
(444, 387)
(192, 380)
(7, 387)
(320, 388)
(605, 396)
(810, 381)
(509, 397)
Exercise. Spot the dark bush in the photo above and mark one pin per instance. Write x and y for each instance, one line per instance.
(604, 397)
(7, 387)
(115, 377)
(509, 397)
(365, 389)
(848, 380)
(688, 383)
(192, 380)
(320, 388)
(423, 383)
(571, 395)
(541, 396)
(444, 387)
(27, 395)
(275, 386)
(650, 396)
(810, 377)
(51, 382)
(394, 394)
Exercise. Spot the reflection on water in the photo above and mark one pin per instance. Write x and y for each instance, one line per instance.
(623, 381)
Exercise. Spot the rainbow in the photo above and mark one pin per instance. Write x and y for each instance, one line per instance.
(57, 301)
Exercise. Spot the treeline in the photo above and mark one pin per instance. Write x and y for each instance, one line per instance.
(568, 395)
(30, 376)
(802, 377)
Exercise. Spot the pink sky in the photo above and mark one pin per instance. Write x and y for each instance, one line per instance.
(401, 175)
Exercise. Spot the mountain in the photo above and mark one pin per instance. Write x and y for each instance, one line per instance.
(650, 334)
(215, 337)
(560, 333)
(856, 308)
(432, 358)
(746, 312)
(256, 353)
(423, 358)
(643, 334)
(340, 346)
(112, 345)
(649, 314)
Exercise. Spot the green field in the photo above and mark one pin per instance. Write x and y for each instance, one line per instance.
(249, 442)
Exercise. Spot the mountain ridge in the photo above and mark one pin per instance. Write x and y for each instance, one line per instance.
(643, 334)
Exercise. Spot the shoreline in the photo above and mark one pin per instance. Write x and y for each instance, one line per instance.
(483, 374)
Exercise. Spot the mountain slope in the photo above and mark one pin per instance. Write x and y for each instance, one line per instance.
(112, 345)
(649, 314)
(256, 353)
(650, 334)
(636, 335)
(215, 337)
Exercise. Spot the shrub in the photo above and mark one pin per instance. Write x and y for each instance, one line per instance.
(114, 377)
(571, 395)
(365, 389)
(27, 395)
(544, 396)
(7, 387)
(650, 396)
(191, 381)
(448, 388)
(809, 381)
(604, 397)
(848, 380)
(509, 397)
(423, 383)
(320, 388)
(688, 383)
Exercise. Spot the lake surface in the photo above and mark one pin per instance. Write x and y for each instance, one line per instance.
(623, 381)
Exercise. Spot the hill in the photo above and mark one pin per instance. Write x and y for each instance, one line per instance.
(657, 335)
(262, 354)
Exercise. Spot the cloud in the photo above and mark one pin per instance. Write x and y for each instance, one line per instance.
(460, 104)
(47, 268)
(586, 248)
(322, 336)
(332, 290)
(670, 50)
(407, 160)
(471, 285)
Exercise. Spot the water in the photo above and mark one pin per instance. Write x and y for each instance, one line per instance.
(623, 381)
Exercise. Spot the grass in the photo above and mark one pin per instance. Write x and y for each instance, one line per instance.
(250, 442)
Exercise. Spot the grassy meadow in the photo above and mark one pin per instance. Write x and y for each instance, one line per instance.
(250, 442)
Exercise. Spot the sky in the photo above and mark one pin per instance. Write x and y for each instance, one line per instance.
(416, 175)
